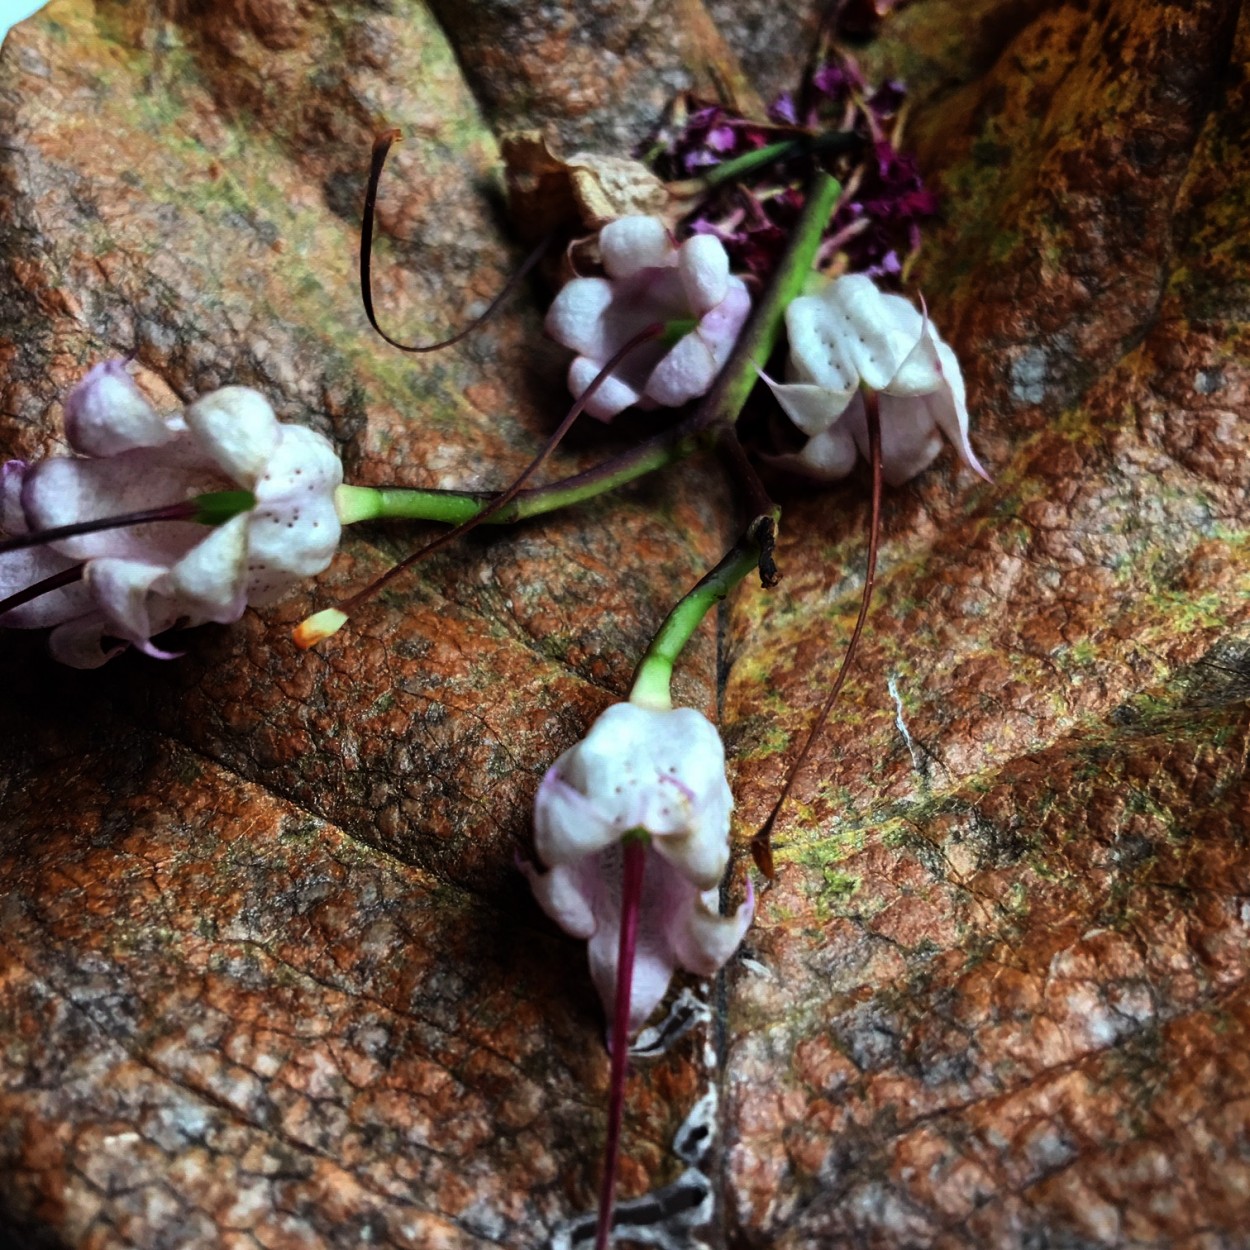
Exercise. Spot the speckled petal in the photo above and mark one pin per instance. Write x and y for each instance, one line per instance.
(876, 332)
(294, 530)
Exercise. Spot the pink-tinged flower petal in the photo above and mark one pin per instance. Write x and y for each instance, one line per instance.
(613, 395)
(629, 244)
(910, 441)
(80, 643)
(568, 825)
(237, 428)
(665, 894)
(567, 894)
(63, 490)
(704, 268)
(703, 940)
(687, 371)
(650, 283)
(576, 317)
(209, 579)
(121, 587)
(20, 569)
(106, 413)
(813, 409)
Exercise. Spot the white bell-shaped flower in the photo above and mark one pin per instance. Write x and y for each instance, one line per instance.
(650, 280)
(851, 338)
(660, 771)
(143, 579)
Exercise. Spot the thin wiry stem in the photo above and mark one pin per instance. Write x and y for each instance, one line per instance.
(634, 852)
(761, 844)
(502, 501)
(170, 512)
(67, 577)
(381, 146)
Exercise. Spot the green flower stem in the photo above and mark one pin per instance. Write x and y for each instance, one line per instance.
(655, 670)
(755, 344)
(454, 507)
(823, 144)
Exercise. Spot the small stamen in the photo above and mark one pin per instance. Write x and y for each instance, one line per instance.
(318, 627)
(761, 844)
(381, 147)
(634, 849)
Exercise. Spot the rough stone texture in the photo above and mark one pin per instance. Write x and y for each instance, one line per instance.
(268, 976)
(996, 984)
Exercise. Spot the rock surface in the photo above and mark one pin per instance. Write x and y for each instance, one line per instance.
(269, 976)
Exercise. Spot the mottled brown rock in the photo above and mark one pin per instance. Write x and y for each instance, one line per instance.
(269, 976)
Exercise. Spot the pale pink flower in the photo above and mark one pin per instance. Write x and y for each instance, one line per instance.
(650, 280)
(143, 579)
(851, 338)
(662, 772)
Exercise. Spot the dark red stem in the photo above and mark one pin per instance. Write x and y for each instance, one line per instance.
(170, 512)
(381, 146)
(635, 859)
(761, 844)
(67, 577)
(502, 500)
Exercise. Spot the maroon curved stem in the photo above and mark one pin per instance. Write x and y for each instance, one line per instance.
(635, 859)
(170, 512)
(381, 146)
(761, 844)
(67, 577)
(501, 501)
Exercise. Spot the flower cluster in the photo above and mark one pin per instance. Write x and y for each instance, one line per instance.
(649, 280)
(659, 772)
(140, 580)
(853, 125)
